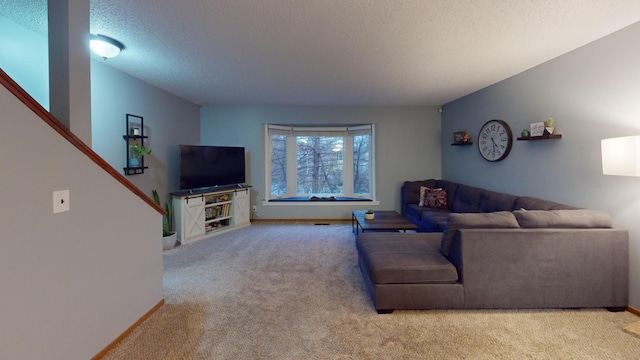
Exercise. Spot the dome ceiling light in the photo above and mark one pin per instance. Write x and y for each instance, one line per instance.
(105, 46)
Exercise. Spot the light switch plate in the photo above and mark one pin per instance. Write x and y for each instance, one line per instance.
(60, 201)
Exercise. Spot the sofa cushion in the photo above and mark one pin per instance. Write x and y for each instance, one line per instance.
(400, 258)
(466, 200)
(451, 188)
(414, 211)
(530, 203)
(577, 218)
(491, 201)
(435, 219)
(455, 221)
(411, 190)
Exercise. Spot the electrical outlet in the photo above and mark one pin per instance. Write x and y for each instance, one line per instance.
(254, 208)
(60, 201)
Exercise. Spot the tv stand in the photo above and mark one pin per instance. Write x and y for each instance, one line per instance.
(201, 213)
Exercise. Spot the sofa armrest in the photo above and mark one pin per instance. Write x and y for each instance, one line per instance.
(542, 268)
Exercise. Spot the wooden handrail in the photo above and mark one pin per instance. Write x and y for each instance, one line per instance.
(32, 104)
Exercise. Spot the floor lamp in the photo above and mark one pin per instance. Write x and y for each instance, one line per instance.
(621, 156)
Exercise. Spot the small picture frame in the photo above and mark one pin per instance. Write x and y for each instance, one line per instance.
(458, 136)
(135, 131)
(536, 129)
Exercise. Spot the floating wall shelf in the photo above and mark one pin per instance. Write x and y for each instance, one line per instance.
(543, 137)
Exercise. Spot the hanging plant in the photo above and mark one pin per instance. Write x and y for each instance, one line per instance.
(139, 151)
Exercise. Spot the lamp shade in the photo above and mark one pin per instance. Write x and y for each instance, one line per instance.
(621, 156)
(105, 46)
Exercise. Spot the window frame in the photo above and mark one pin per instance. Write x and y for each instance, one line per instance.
(347, 133)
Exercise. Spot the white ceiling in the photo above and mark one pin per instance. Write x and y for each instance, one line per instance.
(337, 52)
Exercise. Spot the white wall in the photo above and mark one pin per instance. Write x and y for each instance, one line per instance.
(592, 93)
(169, 121)
(71, 282)
(407, 148)
(25, 58)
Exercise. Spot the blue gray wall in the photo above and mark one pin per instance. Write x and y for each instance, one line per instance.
(89, 273)
(592, 93)
(407, 148)
(168, 121)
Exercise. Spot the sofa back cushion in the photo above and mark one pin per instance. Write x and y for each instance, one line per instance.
(491, 201)
(531, 203)
(455, 221)
(411, 190)
(577, 218)
(466, 199)
(451, 189)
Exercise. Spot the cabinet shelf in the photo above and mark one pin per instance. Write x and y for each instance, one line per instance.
(217, 203)
(543, 137)
(216, 219)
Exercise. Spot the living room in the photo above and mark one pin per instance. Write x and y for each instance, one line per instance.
(589, 92)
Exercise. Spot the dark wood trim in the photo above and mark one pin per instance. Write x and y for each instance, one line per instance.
(541, 137)
(633, 310)
(32, 104)
(115, 342)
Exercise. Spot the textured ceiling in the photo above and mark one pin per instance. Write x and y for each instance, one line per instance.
(337, 52)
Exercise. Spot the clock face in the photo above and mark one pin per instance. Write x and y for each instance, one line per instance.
(494, 140)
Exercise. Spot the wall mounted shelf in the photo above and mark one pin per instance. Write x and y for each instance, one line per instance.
(135, 136)
(543, 137)
(462, 143)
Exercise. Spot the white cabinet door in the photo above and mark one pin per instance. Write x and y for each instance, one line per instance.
(241, 207)
(193, 217)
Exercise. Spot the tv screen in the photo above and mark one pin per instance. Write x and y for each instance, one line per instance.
(204, 166)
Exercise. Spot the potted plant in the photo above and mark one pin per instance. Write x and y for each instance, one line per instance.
(136, 152)
(169, 236)
(369, 215)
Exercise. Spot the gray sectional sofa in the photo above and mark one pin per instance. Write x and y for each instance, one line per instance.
(463, 199)
(531, 254)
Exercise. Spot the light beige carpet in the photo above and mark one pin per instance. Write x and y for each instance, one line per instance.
(294, 291)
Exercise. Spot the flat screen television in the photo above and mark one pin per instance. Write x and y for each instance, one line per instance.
(203, 166)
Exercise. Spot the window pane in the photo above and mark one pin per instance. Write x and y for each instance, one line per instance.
(278, 165)
(320, 164)
(361, 164)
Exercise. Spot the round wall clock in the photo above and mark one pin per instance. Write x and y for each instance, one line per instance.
(495, 140)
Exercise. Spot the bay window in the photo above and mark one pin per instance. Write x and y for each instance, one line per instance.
(324, 162)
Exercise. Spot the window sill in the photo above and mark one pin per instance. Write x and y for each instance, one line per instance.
(304, 201)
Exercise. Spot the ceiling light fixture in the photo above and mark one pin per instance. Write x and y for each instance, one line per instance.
(105, 46)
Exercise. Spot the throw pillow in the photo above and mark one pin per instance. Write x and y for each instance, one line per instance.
(455, 221)
(436, 198)
(423, 192)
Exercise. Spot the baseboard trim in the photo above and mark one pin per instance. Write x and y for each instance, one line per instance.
(300, 220)
(115, 342)
(633, 310)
